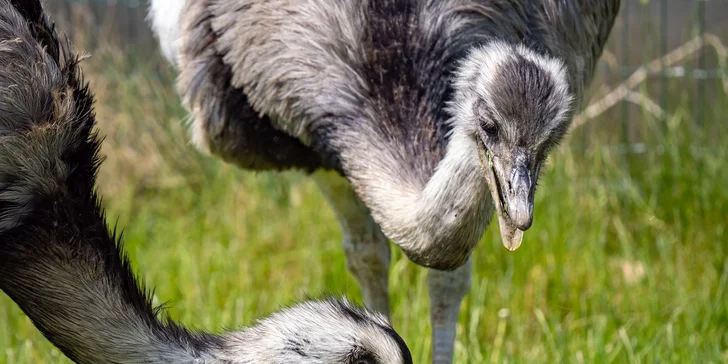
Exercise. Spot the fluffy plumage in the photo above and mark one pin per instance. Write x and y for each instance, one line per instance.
(64, 268)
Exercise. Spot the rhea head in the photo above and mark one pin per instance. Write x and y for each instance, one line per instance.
(320, 332)
(515, 104)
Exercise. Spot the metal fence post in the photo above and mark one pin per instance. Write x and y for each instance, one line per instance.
(701, 64)
(663, 50)
(625, 61)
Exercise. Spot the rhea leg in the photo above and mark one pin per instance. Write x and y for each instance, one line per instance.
(447, 290)
(366, 247)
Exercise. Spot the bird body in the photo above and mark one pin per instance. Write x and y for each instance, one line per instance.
(435, 112)
(64, 268)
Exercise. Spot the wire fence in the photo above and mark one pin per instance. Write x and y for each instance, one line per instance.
(675, 20)
(662, 54)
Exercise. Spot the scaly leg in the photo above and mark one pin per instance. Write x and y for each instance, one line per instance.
(447, 290)
(366, 247)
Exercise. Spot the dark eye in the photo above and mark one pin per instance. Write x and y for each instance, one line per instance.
(489, 128)
(483, 112)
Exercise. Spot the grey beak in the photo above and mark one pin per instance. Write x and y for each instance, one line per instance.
(512, 196)
(520, 197)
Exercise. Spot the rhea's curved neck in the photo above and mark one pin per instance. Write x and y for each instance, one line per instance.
(436, 223)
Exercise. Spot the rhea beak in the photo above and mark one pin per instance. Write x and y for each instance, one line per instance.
(512, 194)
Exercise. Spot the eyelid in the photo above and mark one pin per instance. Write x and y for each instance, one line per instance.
(486, 118)
(489, 126)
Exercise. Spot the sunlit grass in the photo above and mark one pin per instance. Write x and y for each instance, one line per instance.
(626, 260)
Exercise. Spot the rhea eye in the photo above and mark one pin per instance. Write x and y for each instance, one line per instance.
(489, 128)
(483, 113)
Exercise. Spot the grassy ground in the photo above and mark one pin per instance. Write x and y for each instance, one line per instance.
(626, 260)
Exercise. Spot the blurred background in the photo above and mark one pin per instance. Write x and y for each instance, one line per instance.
(626, 260)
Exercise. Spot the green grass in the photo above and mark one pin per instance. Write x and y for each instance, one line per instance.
(626, 261)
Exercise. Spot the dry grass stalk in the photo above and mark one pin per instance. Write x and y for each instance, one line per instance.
(624, 92)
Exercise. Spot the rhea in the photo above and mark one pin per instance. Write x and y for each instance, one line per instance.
(417, 118)
(64, 268)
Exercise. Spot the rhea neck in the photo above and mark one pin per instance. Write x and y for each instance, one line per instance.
(427, 192)
(437, 223)
(76, 286)
(71, 278)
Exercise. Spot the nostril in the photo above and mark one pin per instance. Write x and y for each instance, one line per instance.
(520, 180)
